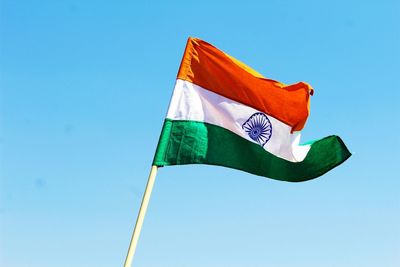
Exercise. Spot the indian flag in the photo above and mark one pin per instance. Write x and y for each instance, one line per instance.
(224, 113)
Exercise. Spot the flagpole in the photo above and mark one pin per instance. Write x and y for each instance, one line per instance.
(140, 217)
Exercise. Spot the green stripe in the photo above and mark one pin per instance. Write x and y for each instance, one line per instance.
(190, 142)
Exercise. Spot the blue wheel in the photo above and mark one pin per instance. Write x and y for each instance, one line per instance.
(258, 127)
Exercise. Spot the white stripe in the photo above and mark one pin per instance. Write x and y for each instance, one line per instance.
(192, 102)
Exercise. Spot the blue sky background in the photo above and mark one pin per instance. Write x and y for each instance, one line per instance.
(84, 90)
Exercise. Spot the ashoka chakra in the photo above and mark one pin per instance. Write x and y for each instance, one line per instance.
(258, 127)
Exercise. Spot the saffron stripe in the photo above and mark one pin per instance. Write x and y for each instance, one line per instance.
(208, 67)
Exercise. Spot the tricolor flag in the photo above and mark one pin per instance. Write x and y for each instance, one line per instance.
(224, 113)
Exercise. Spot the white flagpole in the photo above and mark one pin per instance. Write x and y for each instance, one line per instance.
(140, 217)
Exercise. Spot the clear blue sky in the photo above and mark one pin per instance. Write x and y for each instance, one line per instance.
(84, 90)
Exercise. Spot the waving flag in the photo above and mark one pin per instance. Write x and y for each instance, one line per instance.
(224, 113)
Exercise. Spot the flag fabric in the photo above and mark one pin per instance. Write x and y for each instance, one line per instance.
(224, 113)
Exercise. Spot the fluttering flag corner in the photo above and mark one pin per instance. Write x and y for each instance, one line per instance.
(224, 113)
